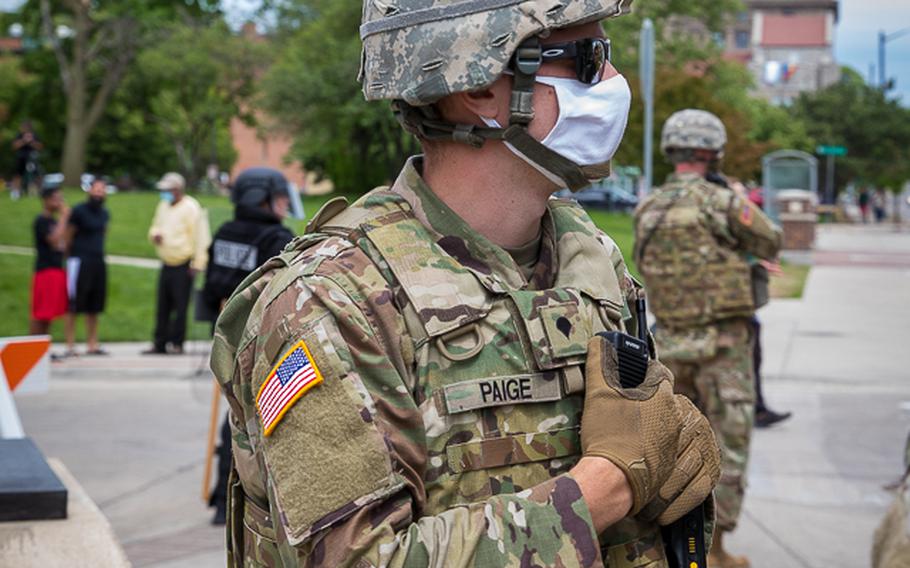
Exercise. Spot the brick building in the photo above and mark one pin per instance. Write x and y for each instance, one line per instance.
(788, 45)
(264, 146)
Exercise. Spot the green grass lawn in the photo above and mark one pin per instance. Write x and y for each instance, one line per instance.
(620, 228)
(791, 283)
(130, 302)
(131, 215)
(131, 291)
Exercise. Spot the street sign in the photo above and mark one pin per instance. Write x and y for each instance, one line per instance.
(831, 151)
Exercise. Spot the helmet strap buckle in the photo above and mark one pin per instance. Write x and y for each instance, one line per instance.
(526, 63)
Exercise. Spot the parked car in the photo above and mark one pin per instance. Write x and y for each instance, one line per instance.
(604, 195)
(55, 180)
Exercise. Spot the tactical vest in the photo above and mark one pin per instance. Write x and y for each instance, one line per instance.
(692, 278)
(497, 372)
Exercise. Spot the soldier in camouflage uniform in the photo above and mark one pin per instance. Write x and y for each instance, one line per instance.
(414, 381)
(891, 545)
(692, 241)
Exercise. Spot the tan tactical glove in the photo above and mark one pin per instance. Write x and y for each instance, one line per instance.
(636, 429)
(696, 472)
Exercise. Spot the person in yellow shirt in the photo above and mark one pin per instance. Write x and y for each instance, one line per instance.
(180, 233)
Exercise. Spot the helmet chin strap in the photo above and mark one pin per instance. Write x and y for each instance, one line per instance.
(426, 122)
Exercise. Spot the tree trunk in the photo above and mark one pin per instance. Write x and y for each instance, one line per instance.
(74, 148)
(77, 131)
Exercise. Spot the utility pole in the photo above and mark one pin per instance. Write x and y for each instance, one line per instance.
(883, 39)
(646, 68)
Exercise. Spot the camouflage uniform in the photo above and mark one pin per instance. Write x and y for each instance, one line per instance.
(891, 546)
(448, 419)
(692, 237)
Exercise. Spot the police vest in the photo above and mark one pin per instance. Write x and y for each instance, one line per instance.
(691, 276)
(237, 249)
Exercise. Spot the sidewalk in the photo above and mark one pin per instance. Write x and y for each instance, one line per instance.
(839, 360)
(132, 428)
(110, 259)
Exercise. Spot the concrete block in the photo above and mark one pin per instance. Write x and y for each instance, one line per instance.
(83, 539)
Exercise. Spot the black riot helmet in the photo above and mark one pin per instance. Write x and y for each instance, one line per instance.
(255, 186)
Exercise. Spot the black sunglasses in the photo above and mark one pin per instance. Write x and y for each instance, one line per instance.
(590, 55)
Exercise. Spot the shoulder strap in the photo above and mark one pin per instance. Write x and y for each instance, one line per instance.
(584, 261)
(444, 294)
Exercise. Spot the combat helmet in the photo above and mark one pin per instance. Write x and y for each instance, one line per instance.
(692, 129)
(416, 52)
(255, 186)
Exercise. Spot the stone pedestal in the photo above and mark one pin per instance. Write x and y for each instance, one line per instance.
(798, 217)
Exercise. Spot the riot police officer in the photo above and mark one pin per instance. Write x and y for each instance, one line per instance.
(261, 199)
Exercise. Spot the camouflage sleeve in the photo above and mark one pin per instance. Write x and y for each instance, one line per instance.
(752, 231)
(345, 463)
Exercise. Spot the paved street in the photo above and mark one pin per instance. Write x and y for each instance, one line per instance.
(839, 359)
(131, 429)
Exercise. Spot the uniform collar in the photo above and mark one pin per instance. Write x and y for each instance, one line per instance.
(471, 249)
(691, 176)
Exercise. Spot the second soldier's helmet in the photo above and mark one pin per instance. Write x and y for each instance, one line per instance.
(255, 186)
(693, 129)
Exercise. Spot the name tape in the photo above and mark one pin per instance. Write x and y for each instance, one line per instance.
(499, 391)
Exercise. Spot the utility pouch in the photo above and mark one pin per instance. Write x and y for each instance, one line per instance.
(761, 292)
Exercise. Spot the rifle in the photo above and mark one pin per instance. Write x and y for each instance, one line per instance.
(684, 540)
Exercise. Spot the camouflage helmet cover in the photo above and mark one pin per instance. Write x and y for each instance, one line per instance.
(422, 50)
(693, 129)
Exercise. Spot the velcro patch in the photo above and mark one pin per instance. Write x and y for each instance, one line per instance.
(747, 215)
(499, 391)
(293, 375)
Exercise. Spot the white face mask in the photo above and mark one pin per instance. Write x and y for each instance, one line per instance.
(591, 123)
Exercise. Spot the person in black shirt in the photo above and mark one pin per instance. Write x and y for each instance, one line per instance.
(261, 199)
(85, 267)
(49, 299)
(25, 147)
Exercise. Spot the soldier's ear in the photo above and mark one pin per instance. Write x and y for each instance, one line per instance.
(467, 107)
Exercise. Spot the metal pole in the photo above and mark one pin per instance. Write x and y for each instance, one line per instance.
(881, 59)
(646, 64)
(829, 182)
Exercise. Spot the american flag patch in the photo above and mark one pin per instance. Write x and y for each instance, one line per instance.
(294, 374)
(747, 215)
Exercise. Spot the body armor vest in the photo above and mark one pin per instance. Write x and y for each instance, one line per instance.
(496, 371)
(692, 277)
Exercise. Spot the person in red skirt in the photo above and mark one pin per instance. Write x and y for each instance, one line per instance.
(49, 297)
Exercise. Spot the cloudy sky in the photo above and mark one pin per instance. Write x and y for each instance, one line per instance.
(857, 38)
(856, 43)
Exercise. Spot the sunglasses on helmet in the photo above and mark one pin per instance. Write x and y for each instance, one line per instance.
(590, 56)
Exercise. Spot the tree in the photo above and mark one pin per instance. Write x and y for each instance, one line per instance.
(313, 93)
(875, 130)
(676, 90)
(193, 82)
(691, 73)
(94, 42)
